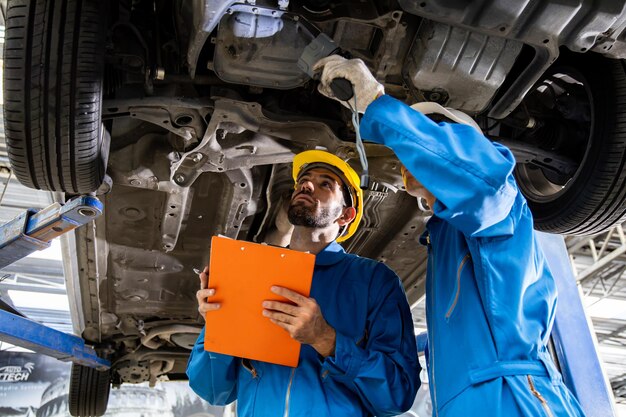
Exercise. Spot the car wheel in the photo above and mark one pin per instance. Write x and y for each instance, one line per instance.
(580, 108)
(53, 71)
(89, 391)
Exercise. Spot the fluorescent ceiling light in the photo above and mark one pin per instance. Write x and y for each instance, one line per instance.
(53, 253)
(26, 299)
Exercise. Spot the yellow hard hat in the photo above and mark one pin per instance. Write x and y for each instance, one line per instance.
(309, 159)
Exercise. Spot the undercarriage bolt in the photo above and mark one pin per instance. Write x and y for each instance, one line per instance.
(179, 178)
(434, 97)
(196, 157)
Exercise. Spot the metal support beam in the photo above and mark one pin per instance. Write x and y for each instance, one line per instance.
(20, 331)
(602, 262)
(604, 249)
(575, 346)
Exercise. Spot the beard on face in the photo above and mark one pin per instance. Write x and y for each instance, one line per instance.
(300, 214)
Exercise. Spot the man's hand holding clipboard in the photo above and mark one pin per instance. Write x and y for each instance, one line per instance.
(303, 320)
(257, 305)
(204, 293)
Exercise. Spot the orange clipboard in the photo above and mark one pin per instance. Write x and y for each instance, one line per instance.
(242, 274)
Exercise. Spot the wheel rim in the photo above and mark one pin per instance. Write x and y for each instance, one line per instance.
(563, 84)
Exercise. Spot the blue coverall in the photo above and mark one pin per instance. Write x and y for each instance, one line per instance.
(374, 369)
(490, 297)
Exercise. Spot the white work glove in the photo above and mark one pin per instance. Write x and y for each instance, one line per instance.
(366, 88)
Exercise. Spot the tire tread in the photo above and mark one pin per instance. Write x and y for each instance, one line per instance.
(53, 77)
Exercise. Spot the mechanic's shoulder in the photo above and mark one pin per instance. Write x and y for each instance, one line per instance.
(371, 266)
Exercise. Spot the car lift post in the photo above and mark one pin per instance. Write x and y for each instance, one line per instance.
(31, 231)
(574, 341)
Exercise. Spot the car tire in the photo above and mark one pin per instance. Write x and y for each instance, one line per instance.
(53, 72)
(89, 391)
(595, 197)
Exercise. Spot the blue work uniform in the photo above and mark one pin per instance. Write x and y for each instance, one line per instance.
(490, 297)
(374, 370)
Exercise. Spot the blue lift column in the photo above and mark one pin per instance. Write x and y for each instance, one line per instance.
(31, 231)
(574, 342)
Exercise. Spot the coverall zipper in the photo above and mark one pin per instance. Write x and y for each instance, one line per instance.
(288, 395)
(542, 400)
(431, 347)
(458, 285)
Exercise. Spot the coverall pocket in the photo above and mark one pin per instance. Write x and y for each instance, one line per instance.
(248, 366)
(457, 287)
(248, 386)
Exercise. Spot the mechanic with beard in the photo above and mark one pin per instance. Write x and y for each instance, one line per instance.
(490, 297)
(359, 354)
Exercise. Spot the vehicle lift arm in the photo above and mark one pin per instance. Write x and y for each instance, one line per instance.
(31, 231)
